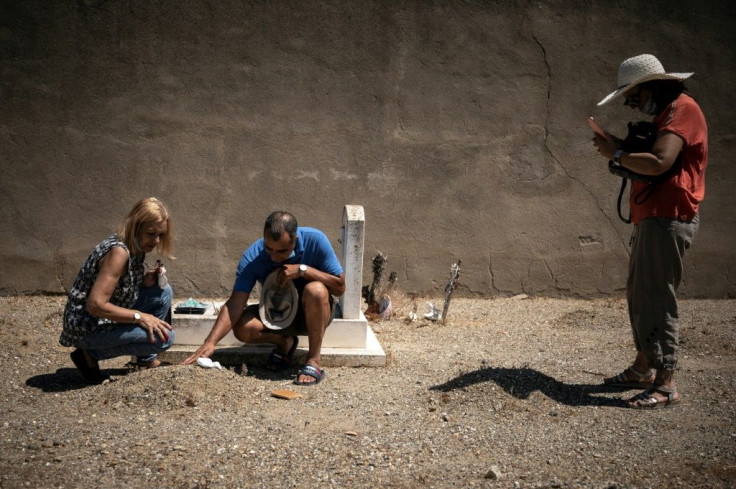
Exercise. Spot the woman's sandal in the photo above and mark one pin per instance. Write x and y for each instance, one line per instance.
(631, 378)
(138, 365)
(278, 361)
(646, 400)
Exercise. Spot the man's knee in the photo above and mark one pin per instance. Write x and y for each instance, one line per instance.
(315, 294)
(248, 330)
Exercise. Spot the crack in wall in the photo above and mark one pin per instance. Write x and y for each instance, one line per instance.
(549, 270)
(490, 273)
(60, 276)
(551, 153)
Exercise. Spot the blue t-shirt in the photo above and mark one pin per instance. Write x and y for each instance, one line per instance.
(312, 249)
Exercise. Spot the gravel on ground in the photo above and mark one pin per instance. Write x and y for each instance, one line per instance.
(507, 394)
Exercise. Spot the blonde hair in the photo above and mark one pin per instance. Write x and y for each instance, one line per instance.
(148, 210)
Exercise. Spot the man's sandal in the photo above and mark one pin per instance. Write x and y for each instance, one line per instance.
(646, 400)
(311, 371)
(631, 378)
(278, 361)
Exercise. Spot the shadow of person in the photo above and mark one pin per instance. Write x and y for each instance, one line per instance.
(523, 381)
(67, 379)
(247, 363)
(262, 372)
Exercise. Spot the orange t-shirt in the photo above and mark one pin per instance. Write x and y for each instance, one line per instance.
(678, 197)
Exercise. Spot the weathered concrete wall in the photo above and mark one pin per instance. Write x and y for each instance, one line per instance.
(459, 126)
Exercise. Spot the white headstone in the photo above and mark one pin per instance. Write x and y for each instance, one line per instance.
(351, 247)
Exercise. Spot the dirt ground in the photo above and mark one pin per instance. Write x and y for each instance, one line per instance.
(506, 395)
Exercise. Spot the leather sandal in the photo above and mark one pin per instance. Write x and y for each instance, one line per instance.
(631, 378)
(646, 400)
(280, 361)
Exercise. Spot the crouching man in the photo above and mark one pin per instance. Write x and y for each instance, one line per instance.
(299, 256)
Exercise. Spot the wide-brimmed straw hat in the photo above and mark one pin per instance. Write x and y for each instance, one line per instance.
(278, 305)
(640, 69)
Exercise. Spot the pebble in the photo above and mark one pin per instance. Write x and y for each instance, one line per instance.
(494, 473)
(449, 417)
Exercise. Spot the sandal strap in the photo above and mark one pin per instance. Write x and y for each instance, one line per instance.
(279, 357)
(639, 376)
(312, 371)
(663, 389)
(284, 357)
(630, 376)
(647, 400)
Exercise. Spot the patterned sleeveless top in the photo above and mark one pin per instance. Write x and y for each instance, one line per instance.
(78, 322)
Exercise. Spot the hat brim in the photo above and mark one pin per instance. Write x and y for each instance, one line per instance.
(656, 76)
(288, 294)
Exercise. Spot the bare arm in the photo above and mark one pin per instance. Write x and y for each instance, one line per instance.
(112, 266)
(336, 285)
(230, 313)
(663, 156)
(659, 160)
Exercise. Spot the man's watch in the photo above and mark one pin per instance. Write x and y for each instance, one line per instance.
(617, 156)
(137, 317)
(302, 270)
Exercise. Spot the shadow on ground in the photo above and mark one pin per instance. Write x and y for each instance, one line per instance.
(522, 382)
(69, 379)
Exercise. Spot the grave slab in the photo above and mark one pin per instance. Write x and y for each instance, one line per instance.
(348, 341)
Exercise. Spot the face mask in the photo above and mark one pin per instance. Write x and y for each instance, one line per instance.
(650, 108)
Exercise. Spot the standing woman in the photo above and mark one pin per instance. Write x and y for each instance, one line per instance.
(115, 307)
(665, 223)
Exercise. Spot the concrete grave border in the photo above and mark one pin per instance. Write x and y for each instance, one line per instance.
(349, 340)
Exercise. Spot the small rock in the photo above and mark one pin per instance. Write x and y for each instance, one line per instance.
(494, 473)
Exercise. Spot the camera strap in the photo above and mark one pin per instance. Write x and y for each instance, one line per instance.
(640, 139)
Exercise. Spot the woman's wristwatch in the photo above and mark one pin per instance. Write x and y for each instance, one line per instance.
(137, 317)
(617, 156)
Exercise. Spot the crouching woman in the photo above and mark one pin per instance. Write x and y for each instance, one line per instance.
(115, 306)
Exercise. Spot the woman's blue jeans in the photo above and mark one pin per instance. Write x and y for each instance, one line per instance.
(131, 339)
